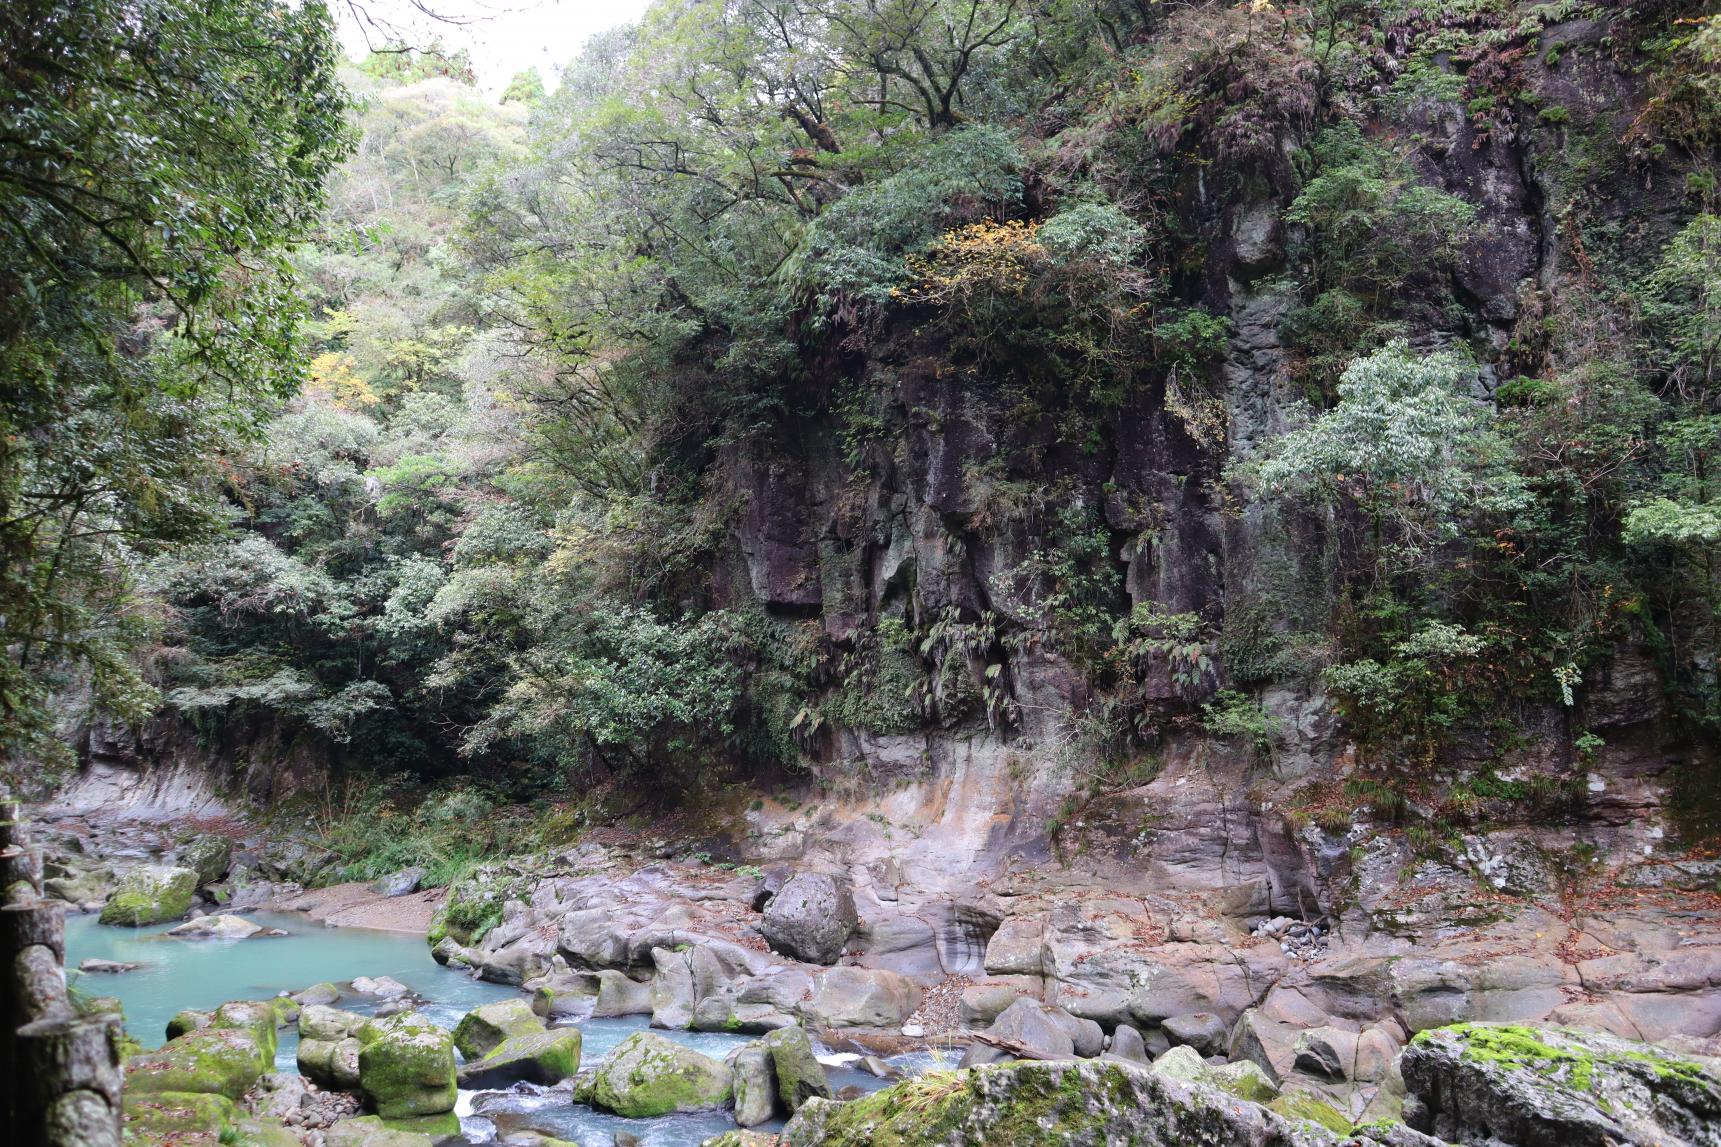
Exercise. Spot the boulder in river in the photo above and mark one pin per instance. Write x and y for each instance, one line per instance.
(862, 997)
(755, 1085)
(256, 1017)
(323, 994)
(648, 1075)
(382, 987)
(213, 1061)
(106, 967)
(209, 856)
(222, 927)
(483, 1028)
(406, 1066)
(1557, 1086)
(810, 918)
(542, 1057)
(188, 1020)
(799, 1074)
(150, 894)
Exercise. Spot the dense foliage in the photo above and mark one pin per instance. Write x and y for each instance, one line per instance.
(563, 351)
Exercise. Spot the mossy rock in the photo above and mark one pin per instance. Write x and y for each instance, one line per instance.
(324, 1023)
(261, 1133)
(1031, 1104)
(800, 1076)
(1185, 1063)
(545, 1057)
(150, 895)
(188, 1021)
(209, 856)
(372, 1131)
(332, 1064)
(648, 1075)
(1245, 1079)
(406, 1066)
(217, 1061)
(286, 1011)
(169, 1116)
(485, 1028)
(1311, 1108)
(255, 1016)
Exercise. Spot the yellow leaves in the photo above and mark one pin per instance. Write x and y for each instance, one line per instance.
(335, 381)
(982, 258)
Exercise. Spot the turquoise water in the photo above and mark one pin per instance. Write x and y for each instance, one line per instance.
(203, 974)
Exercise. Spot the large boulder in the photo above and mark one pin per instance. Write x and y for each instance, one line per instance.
(329, 1047)
(222, 927)
(484, 1028)
(257, 1017)
(209, 856)
(648, 1075)
(1073, 1101)
(1036, 1028)
(545, 1057)
(213, 1061)
(406, 1066)
(810, 918)
(375, 1131)
(1557, 1087)
(799, 1074)
(177, 1116)
(1203, 1031)
(149, 895)
(755, 1085)
(861, 998)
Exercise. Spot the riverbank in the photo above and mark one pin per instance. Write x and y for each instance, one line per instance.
(358, 904)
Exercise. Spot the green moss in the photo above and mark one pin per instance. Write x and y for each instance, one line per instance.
(150, 896)
(482, 1029)
(406, 1067)
(216, 1061)
(648, 1075)
(1309, 1108)
(1514, 1047)
(162, 1117)
(258, 1019)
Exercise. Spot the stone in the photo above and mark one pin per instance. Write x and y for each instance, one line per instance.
(862, 997)
(484, 1028)
(212, 1061)
(754, 1084)
(648, 1075)
(810, 918)
(1307, 1107)
(672, 993)
(1326, 1052)
(1127, 1044)
(1376, 1053)
(620, 996)
(541, 1057)
(1556, 1086)
(1185, 1063)
(1203, 1031)
(187, 1021)
(165, 1116)
(333, 1064)
(1031, 1104)
(401, 883)
(1244, 1079)
(322, 994)
(796, 1068)
(985, 1001)
(223, 927)
(317, 1021)
(382, 987)
(149, 895)
(106, 967)
(406, 1066)
(1267, 1042)
(209, 856)
(257, 1017)
(1036, 1027)
(1015, 948)
(375, 1131)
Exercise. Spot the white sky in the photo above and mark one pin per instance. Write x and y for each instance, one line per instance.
(503, 36)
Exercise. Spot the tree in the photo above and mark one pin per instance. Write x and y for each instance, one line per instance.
(156, 156)
(526, 87)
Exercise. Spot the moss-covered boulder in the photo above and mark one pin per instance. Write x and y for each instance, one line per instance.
(209, 856)
(1073, 1101)
(1245, 1079)
(545, 1057)
(406, 1066)
(152, 1117)
(800, 1076)
(150, 895)
(371, 1131)
(648, 1075)
(1556, 1085)
(214, 1061)
(482, 1029)
(329, 1046)
(188, 1021)
(1308, 1107)
(258, 1017)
